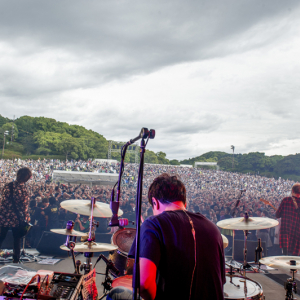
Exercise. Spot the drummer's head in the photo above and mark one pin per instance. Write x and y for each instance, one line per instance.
(296, 190)
(166, 190)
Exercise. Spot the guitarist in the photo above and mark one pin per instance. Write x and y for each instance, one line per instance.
(9, 217)
(289, 212)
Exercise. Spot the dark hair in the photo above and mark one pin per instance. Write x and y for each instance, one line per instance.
(166, 188)
(52, 200)
(23, 175)
(32, 203)
(45, 200)
(296, 188)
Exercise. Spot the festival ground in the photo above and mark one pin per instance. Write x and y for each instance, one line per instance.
(272, 290)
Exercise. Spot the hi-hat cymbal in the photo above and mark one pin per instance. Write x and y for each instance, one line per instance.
(253, 223)
(281, 262)
(68, 232)
(225, 241)
(91, 247)
(83, 207)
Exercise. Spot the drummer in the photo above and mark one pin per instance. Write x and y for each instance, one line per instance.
(181, 253)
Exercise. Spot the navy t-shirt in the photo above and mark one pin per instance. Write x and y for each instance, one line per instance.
(167, 240)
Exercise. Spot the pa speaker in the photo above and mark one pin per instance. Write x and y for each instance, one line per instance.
(50, 242)
(251, 246)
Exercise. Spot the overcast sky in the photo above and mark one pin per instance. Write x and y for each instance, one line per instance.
(205, 74)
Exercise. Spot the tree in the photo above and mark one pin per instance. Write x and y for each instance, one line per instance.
(161, 157)
(69, 145)
(11, 128)
(175, 162)
(150, 157)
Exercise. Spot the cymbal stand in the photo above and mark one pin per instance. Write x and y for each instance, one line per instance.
(87, 265)
(291, 285)
(246, 232)
(70, 243)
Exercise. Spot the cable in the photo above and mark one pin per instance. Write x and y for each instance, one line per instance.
(36, 275)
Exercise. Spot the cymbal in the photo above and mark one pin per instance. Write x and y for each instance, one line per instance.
(83, 207)
(281, 262)
(91, 247)
(253, 223)
(225, 241)
(68, 232)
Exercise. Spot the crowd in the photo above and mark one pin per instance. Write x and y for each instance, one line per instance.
(211, 192)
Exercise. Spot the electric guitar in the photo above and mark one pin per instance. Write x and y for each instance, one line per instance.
(267, 203)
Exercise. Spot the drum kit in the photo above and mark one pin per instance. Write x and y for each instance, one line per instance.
(242, 287)
(120, 267)
(118, 263)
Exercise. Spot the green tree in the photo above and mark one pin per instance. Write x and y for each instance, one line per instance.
(11, 127)
(161, 157)
(150, 157)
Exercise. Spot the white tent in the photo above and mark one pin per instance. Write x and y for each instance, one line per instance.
(88, 178)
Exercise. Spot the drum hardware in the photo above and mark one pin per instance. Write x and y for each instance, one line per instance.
(232, 288)
(291, 285)
(107, 283)
(287, 263)
(123, 239)
(87, 265)
(258, 254)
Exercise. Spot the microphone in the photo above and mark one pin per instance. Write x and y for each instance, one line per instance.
(143, 134)
(109, 264)
(118, 222)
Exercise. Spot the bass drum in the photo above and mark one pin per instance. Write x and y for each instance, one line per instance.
(123, 238)
(234, 288)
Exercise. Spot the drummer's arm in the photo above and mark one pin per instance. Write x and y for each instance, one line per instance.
(147, 279)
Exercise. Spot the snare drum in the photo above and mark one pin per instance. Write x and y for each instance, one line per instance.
(125, 281)
(235, 289)
(123, 238)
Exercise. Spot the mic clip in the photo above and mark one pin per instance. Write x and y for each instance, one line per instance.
(114, 221)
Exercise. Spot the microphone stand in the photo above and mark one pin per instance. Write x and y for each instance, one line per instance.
(136, 268)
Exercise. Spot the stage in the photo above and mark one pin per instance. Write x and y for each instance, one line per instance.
(272, 290)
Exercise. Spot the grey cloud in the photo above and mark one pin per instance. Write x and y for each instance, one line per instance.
(118, 38)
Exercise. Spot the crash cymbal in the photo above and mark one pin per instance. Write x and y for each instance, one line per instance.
(83, 207)
(91, 247)
(225, 241)
(281, 262)
(253, 223)
(68, 232)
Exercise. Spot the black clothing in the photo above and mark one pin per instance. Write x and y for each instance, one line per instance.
(167, 240)
(52, 212)
(17, 241)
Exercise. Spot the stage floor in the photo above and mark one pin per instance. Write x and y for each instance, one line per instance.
(271, 289)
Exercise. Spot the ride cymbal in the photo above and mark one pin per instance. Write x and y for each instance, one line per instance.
(252, 223)
(83, 207)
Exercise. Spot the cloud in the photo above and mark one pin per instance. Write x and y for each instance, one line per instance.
(204, 74)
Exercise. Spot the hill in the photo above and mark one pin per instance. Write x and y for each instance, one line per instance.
(40, 137)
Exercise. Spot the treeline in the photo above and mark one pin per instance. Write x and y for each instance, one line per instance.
(276, 166)
(39, 137)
